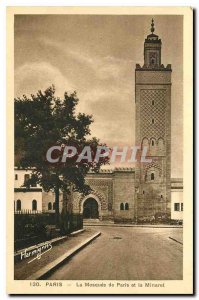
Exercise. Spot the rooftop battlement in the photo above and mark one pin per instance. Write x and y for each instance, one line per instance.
(115, 170)
(154, 68)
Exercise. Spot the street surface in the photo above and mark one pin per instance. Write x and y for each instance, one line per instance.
(127, 253)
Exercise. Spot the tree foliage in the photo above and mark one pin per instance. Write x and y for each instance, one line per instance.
(44, 120)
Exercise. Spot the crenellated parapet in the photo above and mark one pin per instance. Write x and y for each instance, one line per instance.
(112, 171)
(146, 67)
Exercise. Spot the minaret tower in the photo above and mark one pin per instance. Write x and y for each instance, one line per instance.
(153, 129)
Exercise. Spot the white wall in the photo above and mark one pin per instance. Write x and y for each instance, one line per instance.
(27, 198)
(176, 197)
(20, 181)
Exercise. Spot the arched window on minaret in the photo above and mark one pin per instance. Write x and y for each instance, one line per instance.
(153, 146)
(121, 206)
(152, 176)
(126, 206)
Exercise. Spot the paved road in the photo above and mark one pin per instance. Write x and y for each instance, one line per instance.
(127, 254)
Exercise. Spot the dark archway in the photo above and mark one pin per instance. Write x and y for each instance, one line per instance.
(90, 209)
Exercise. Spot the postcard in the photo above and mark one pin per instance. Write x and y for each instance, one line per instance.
(100, 150)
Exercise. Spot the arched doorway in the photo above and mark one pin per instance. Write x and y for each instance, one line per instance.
(90, 209)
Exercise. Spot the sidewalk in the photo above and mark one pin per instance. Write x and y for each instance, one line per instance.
(24, 270)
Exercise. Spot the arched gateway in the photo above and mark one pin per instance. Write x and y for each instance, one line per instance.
(91, 207)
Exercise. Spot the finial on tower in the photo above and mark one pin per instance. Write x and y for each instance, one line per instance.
(152, 26)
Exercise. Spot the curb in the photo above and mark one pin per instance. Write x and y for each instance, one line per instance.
(131, 225)
(48, 269)
(76, 232)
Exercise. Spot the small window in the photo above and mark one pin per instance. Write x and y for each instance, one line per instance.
(18, 205)
(152, 121)
(16, 176)
(143, 192)
(177, 206)
(181, 206)
(49, 206)
(121, 206)
(161, 196)
(152, 176)
(152, 143)
(34, 205)
(126, 206)
(26, 177)
(53, 205)
(152, 102)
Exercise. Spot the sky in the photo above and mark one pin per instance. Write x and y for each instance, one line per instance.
(96, 56)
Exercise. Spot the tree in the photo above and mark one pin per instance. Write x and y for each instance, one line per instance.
(44, 120)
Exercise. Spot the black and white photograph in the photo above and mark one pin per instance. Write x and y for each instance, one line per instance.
(99, 198)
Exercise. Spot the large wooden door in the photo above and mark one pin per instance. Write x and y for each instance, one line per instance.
(90, 209)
